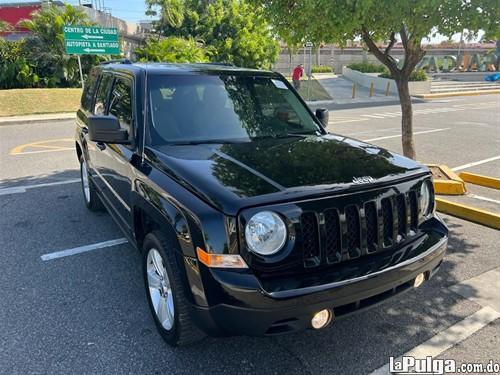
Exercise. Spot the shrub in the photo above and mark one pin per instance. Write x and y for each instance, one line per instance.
(321, 69)
(172, 49)
(367, 67)
(415, 76)
(15, 69)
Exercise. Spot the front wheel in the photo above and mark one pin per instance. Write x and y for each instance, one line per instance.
(167, 301)
(90, 197)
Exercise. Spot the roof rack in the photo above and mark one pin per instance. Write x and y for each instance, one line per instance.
(116, 61)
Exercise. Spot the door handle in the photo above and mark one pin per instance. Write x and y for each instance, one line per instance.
(101, 146)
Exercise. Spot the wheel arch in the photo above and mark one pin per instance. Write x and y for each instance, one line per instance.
(78, 150)
(161, 215)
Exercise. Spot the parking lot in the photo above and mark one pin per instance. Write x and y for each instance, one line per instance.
(87, 312)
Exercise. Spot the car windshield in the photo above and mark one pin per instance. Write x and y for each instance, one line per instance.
(190, 109)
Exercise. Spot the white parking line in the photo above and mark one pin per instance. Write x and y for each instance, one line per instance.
(399, 135)
(465, 166)
(83, 249)
(483, 198)
(45, 151)
(448, 338)
(23, 188)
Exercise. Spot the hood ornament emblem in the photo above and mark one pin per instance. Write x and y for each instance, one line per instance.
(362, 180)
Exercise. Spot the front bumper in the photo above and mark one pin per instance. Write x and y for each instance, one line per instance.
(245, 307)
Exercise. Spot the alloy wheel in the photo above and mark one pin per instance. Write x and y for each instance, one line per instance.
(160, 289)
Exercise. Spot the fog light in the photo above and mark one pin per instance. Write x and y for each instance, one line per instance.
(419, 280)
(321, 319)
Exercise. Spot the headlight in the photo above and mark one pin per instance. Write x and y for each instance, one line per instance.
(265, 233)
(426, 203)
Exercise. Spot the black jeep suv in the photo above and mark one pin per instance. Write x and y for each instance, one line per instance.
(250, 217)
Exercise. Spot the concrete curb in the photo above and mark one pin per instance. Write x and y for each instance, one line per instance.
(469, 213)
(49, 117)
(481, 180)
(454, 185)
(456, 93)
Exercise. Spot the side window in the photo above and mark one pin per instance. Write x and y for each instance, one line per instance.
(102, 94)
(89, 89)
(120, 104)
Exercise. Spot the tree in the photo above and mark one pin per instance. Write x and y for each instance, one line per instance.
(171, 12)
(231, 30)
(172, 49)
(374, 21)
(5, 26)
(46, 48)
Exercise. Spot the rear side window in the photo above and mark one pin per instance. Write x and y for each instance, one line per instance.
(89, 90)
(120, 103)
(101, 99)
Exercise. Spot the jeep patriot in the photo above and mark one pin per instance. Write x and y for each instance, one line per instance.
(250, 217)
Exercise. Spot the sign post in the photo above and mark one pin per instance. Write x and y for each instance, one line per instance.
(309, 45)
(80, 68)
(91, 40)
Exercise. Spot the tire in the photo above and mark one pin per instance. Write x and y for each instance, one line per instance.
(90, 197)
(174, 322)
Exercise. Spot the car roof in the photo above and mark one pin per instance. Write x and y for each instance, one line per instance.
(175, 68)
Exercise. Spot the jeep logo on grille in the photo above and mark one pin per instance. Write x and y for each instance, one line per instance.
(362, 180)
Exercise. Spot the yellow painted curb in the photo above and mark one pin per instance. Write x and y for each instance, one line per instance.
(469, 213)
(453, 186)
(481, 180)
(456, 93)
(445, 187)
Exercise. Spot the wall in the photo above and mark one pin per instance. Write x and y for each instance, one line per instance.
(380, 84)
(337, 57)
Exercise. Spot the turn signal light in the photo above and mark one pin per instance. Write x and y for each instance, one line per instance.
(220, 260)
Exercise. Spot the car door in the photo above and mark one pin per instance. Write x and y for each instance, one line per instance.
(99, 107)
(114, 161)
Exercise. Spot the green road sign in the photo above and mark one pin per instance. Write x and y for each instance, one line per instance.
(90, 40)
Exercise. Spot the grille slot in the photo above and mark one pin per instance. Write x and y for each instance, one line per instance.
(310, 239)
(388, 221)
(332, 236)
(401, 210)
(412, 197)
(371, 226)
(353, 231)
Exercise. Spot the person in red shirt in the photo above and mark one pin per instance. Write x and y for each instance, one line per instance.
(297, 73)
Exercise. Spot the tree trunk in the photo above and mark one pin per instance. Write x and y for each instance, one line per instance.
(406, 118)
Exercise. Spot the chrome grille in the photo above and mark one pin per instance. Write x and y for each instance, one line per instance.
(352, 231)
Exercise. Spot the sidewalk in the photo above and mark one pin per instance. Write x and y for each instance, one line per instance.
(340, 89)
(11, 120)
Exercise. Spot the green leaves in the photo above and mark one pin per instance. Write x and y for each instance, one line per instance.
(231, 30)
(174, 50)
(40, 60)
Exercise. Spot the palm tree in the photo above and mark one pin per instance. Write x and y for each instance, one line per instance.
(5, 26)
(46, 45)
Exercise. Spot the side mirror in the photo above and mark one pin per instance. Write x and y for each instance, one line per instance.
(322, 116)
(106, 129)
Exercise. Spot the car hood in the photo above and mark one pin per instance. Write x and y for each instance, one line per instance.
(238, 175)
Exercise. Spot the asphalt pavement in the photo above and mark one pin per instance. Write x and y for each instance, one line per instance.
(87, 313)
